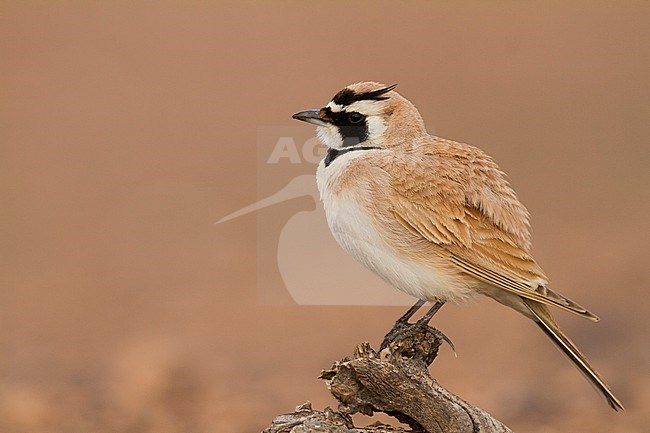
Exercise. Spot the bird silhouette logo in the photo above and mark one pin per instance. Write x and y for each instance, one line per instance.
(313, 268)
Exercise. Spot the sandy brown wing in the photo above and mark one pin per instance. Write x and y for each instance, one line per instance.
(476, 245)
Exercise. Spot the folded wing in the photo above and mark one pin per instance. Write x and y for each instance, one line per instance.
(475, 217)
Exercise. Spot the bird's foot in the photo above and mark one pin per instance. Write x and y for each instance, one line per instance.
(403, 330)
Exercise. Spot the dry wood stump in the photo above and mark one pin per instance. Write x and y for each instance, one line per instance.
(394, 380)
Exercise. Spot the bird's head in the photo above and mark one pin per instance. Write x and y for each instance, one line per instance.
(365, 114)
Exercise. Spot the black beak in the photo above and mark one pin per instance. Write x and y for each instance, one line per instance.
(311, 116)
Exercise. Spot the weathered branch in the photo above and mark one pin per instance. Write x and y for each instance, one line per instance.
(395, 381)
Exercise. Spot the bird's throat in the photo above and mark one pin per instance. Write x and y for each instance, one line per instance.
(332, 153)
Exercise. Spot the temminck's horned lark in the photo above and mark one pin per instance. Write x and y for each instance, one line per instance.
(435, 218)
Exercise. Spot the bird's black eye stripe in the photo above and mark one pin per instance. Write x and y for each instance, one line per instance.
(352, 125)
(344, 118)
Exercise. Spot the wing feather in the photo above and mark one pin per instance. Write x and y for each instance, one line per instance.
(475, 216)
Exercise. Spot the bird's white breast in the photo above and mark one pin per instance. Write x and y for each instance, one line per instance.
(357, 230)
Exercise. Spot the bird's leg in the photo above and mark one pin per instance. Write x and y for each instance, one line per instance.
(411, 311)
(432, 312)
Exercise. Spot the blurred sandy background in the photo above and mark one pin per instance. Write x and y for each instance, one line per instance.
(127, 129)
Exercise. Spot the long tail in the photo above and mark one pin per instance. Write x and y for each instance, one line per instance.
(547, 324)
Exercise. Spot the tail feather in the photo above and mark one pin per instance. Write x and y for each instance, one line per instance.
(552, 330)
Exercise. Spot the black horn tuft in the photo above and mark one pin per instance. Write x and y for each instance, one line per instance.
(348, 96)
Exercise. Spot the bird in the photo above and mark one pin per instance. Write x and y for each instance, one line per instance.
(434, 218)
